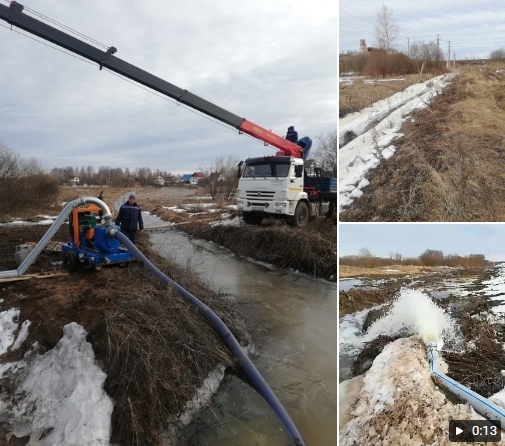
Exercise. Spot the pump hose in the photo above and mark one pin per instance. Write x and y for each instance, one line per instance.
(258, 381)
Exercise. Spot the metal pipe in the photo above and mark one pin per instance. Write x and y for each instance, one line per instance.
(253, 374)
(482, 405)
(30, 258)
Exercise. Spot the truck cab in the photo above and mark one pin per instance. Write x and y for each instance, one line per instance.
(283, 187)
(272, 186)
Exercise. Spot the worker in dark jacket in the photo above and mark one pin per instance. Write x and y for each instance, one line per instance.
(129, 218)
(292, 135)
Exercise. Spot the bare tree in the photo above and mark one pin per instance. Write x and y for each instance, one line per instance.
(221, 180)
(365, 253)
(386, 29)
(326, 154)
(498, 54)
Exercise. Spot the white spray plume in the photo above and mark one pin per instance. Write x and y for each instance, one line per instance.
(416, 312)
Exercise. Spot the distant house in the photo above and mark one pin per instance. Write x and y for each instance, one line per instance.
(186, 178)
(74, 181)
(192, 179)
(159, 181)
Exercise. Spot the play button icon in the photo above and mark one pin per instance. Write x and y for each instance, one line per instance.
(470, 431)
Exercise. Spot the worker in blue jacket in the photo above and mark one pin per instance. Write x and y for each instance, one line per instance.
(129, 218)
(292, 135)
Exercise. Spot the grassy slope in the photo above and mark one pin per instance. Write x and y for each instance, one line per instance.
(450, 165)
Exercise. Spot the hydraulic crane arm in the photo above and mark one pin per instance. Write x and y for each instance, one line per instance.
(14, 15)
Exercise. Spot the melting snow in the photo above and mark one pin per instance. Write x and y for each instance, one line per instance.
(376, 127)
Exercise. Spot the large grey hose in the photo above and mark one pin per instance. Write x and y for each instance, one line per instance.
(259, 383)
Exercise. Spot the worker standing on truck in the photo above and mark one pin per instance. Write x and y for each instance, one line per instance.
(129, 218)
(292, 134)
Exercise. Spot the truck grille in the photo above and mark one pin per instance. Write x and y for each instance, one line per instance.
(254, 195)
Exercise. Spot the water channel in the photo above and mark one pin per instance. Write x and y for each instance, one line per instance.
(293, 319)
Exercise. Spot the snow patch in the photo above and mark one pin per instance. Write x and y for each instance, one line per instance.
(59, 395)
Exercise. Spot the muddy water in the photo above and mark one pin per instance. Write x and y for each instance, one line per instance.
(294, 321)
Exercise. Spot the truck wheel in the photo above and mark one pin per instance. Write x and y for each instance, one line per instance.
(301, 217)
(70, 261)
(252, 219)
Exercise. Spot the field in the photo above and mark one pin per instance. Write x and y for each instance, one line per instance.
(358, 92)
(449, 163)
(387, 392)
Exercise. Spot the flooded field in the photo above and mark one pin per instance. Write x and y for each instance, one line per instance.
(384, 372)
(446, 289)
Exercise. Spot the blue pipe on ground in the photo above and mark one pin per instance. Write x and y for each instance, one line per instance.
(478, 402)
(259, 383)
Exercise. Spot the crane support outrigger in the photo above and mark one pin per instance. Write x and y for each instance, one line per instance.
(282, 186)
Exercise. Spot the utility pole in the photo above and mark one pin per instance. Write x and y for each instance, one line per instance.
(438, 48)
(408, 47)
(449, 58)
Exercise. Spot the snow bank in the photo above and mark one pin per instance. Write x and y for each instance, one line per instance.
(376, 126)
(398, 403)
(59, 396)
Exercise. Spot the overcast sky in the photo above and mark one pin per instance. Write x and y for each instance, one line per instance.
(272, 62)
(474, 28)
(412, 239)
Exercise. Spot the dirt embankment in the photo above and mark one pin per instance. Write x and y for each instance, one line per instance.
(450, 163)
(155, 349)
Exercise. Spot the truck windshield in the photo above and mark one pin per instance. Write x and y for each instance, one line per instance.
(266, 170)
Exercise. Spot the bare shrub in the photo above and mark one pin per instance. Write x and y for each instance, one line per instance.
(378, 64)
(479, 367)
(221, 180)
(24, 186)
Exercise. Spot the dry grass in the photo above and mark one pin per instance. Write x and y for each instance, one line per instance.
(358, 299)
(393, 270)
(158, 349)
(358, 95)
(311, 250)
(450, 165)
(479, 367)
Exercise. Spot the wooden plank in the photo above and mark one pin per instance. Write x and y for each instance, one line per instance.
(53, 246)
(48, 275)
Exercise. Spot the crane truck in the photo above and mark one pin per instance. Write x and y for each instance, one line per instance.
(286, 185)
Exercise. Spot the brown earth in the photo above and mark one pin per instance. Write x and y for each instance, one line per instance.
(450, 163)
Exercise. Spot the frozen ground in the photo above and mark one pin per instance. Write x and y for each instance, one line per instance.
(374, 129)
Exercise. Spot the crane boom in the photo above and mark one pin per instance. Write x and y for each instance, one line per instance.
(14, 15)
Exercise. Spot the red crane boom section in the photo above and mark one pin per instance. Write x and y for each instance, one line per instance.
(288, 147)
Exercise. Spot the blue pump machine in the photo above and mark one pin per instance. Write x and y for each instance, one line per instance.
(89, 246)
